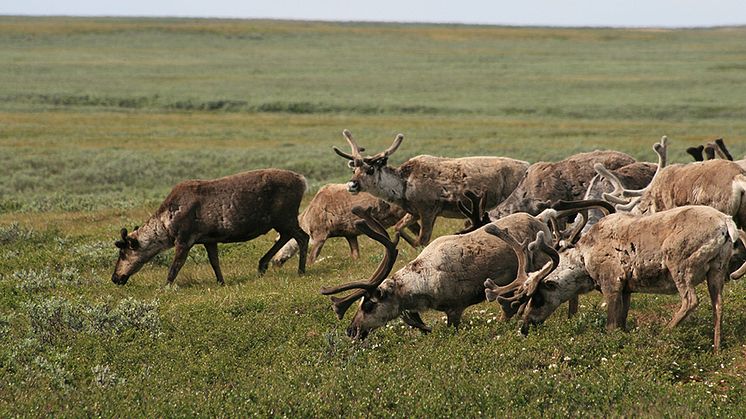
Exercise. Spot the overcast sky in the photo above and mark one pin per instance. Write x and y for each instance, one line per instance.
(668, 13)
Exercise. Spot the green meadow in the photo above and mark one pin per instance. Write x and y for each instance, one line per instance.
(100, 117)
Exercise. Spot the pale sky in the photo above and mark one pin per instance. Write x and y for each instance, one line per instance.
(657, 13)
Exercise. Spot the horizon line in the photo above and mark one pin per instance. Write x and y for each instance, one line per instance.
(363, 21)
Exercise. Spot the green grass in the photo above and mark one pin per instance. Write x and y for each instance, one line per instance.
(100, 117)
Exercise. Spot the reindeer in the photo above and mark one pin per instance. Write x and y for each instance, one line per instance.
(428, 187)
(720, 184)
(547, 183)
(329, 214)
(231, 209)
(447, 276)
(667, 252)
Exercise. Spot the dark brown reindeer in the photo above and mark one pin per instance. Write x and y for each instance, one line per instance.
(231, 209)
(428, 187)
(666, 252)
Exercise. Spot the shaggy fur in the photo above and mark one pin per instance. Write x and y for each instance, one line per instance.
(329, 214)
(547, 183)
(231, 209)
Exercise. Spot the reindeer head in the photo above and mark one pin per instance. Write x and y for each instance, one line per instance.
(517, 296)
(368, 173)
(535, 296)
(133, 253)
(380, 303)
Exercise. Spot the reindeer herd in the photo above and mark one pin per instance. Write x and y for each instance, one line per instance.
(537, 235)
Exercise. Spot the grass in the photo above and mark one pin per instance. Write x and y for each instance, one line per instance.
(100, 117)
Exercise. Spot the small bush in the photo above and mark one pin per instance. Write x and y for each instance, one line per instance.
(52, 318)
(33, 280)
(103, 377)
(127, 314)
(15, 233)
(56, 318)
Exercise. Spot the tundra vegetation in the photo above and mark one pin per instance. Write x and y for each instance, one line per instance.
(100, 118)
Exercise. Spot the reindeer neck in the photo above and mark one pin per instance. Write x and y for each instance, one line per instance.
(571, 276)
(392, 187)
(155, 232)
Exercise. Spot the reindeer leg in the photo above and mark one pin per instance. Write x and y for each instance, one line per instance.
(413, 319)
(688, 303)
(302, 238)
(401, 226)
(316, 246)
(572, 307)
(426, 230)
(212, 254)
(715, 287)
(354, 247)
(284, 238)
(614, 309)
(626, 300)
(181, 253)
(453, 317)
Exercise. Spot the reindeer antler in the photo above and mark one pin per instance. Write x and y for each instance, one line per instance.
(696, 152)
(525, 285)
(493, 290)
(568, 208)
(477, 214)
(373, 229)
(616, 196)
(721, 146)
(710, 149)
(356, 156)
(386, 153)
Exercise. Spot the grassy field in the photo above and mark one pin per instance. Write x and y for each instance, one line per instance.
(100, 117)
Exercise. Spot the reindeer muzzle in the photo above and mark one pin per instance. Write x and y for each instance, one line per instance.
(119, 280)
(353, 187)
(357, 333)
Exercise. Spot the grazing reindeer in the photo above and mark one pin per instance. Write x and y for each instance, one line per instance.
(666, 252)
(231, 209)
(447, 276)
(548, 183)
(426, 186)
(329, 214)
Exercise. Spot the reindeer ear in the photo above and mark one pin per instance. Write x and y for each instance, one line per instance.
(351, 164)
(123, 233)
(136, 227)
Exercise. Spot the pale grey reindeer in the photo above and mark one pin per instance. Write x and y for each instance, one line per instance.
(447, 276)
(428, 187)
(667, 252)
(230, 209)
(717, 183)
